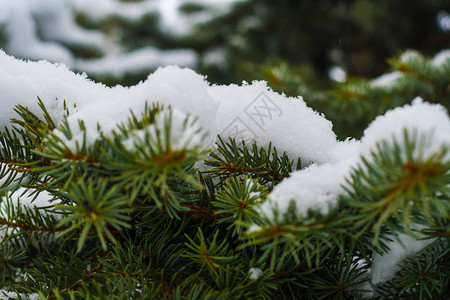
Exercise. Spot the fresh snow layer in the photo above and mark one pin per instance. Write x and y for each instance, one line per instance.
(13, 295)
(385, 266)
(319, 187)
(419, 118)
(442, 58)
(253, 112)
(22, 82)
(315, 187)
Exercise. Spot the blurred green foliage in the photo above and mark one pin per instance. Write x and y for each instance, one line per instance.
(353, 104)
(2, 38)
(357, 35)
(314, 35)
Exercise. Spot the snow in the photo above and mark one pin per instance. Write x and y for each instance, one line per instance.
(410, 55)
(444, 20)
(389, 80)
(418, 117)
(184, 134)
(216, 56)
(386, 80)
(21, 82)
(441, 58)
(100, 9)
(43, 200)
(38, 29)
(13, 295)
(12, 185)
(255, 273)
(56, 24)
(316, 187)
(319, 186)
(254, 112)
(337, 74)
(385, 266)
(288, 123)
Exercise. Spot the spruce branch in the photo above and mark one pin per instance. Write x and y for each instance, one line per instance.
(212, 255)
(397, 183)
(94, 203)
(149, 166)
(339, 280)
(239, 199)
(134, 218)
(266, 165)
(421, 276)
(22, 220)
(303, 237)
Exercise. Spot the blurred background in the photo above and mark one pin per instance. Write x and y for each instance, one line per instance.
(343, 56)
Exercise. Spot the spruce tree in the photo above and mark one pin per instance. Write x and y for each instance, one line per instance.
(146, 211)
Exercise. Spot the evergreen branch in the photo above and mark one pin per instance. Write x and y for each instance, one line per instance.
(302, 237)
(213, 256)
(86, 276)
(193, 211)
(11, 259)
(28, 227)
(204, 212)
(398, 182)
(421, 276)
(154, 227)
(298, 269)
(239, 200)
(25, 221)
(265, 165)
(94, 205)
